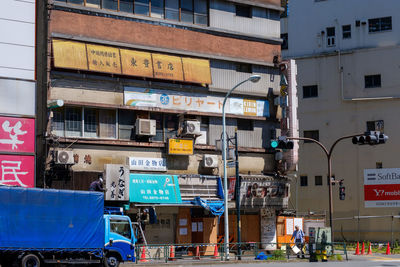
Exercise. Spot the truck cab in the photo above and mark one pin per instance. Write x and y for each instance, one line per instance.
(120, 240)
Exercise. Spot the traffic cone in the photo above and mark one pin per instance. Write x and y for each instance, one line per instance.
(216, 252)
(387, 249)
(197, 255)
(171, 253)
(143, 256)
(363, 249)
(369, 249)
(357, 249)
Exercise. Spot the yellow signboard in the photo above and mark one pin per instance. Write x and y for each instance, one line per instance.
(167, 67)
(249, 107)
(69, 55)
(180, 146)
(196, 70)
(103, 59)
(136, 63)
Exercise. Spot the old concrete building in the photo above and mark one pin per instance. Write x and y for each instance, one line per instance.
(142, 85)
(347, 55)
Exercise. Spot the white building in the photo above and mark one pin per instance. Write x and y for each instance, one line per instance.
(347, 54)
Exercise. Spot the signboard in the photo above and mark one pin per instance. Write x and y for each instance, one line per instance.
(117, 182)
(268, 232)
(17, 170)
(144, 97)
(180, 146)
(81, 56)
(382, 188)
(17, 97)
(17, 134)
(154, 188)
(262, 192)
(147, 164)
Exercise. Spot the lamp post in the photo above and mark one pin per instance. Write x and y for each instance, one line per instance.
(254, 79)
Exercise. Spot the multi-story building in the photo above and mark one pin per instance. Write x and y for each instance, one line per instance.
(142, 85)
(347, 74)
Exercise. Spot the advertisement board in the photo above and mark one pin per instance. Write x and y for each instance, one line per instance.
(154, 188)
(17, 97)
(382, 188)
(17, 170)
(17, 134)
(147, 164)
(117, 182)
(180, 146)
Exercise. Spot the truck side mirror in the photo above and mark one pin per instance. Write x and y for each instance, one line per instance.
(111, 241)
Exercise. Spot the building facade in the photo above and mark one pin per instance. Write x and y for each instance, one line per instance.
(346, 54)
(142, 85)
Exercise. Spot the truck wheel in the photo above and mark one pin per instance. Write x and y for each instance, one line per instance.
(111, 261)
(30, 260)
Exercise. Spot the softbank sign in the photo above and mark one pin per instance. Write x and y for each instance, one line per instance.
(382, 188)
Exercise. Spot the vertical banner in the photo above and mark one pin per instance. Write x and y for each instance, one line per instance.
(17, 135)
(268, 230)
(17, 170)
(117, 182)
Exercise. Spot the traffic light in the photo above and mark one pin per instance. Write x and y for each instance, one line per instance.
(342, 189)
(370, 138)
(282, 143)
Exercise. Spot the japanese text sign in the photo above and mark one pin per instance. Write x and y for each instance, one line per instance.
(103, 58)
(17, 134)
(382, 188)
(136, 63)
(70, 55)
(180, 146)
(117, 182)
(197, 70)
(167, 67)
(147, 164)
(17, 170)
(153, 188)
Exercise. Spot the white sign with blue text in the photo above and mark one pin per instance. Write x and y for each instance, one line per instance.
(147, 164)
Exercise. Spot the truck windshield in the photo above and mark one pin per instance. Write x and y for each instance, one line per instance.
(121, 227)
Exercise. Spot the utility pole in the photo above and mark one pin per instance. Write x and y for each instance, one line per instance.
(237, 197)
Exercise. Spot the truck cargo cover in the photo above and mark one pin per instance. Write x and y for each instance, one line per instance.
(51, 219)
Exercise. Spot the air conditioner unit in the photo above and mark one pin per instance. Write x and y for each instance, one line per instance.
(65, 157)
(210, 161)
(145, 127)
(191, 128)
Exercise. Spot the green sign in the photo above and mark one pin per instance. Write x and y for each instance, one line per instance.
(154, 188)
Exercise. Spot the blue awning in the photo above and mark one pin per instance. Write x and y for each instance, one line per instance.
(216, 207)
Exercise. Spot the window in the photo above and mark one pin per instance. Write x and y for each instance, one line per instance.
(73, 121)
(91, 121)
(171, 126)
(187, 11)
(126, 122)
(376, 126)
(121, 227)
(125, 6)
(372, 81)
(57, 122)
(310, 91)
(243, 11)
(242, 67)
(379, 165)
(142, 7)
(107, 123)
(76, 2)
(346, 31)
(245, 125)
(380, 24)
(93, 3)
(330, 36)
(303, 181)
(200, 12)
(318, 180)
(285, 44)
(159, 126)
(172, 9)
(314, 134)
(157, 9)
(110, 4)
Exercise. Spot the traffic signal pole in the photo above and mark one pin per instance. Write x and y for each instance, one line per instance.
(328, 154)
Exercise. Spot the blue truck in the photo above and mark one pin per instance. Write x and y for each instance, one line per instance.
(47, 226)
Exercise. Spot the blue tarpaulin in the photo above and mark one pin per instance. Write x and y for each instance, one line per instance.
(215, 207)
(51, 219)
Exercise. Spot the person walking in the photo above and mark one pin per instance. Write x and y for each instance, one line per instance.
(298, 237)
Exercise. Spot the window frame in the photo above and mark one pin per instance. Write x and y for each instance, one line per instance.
(250, 11)
(314, 134)
(319, 181)
(285, 42)
(310, 90)
(374, 83)
(303, 180)
(379, 24)
(346, 33)
(244, 67)
(330, 39)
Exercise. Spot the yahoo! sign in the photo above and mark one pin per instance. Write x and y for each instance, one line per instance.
(382, 188)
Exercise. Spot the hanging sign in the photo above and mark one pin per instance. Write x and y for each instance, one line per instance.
(180, 146)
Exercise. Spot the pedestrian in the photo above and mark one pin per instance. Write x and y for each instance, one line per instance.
(298, 237)
(97, 185)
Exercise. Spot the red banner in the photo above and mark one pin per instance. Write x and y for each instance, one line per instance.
(17, 170)
(382, 192)
(17, 134)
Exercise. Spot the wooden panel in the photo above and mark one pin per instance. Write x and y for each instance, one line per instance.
(184, 213)
(69, 55)
(167, 67)
(197, 70)
(136, 63)
(210, 227)
(103, 59)
(250, 228)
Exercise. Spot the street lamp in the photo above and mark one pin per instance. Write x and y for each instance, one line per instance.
(254, 79)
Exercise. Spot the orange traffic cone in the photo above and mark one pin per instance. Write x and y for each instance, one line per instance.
(357, 249)
(143, 256)
(215, 252)
(387, 249)
(172, 254)
(369, 249)
(363, 249)
(197, 255)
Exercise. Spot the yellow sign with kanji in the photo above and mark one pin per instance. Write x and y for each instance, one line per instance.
(196, 70)
(69, 55)
(136, 63)
(249, 107)
(167, 67)
(180, 146)
(103, 58)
